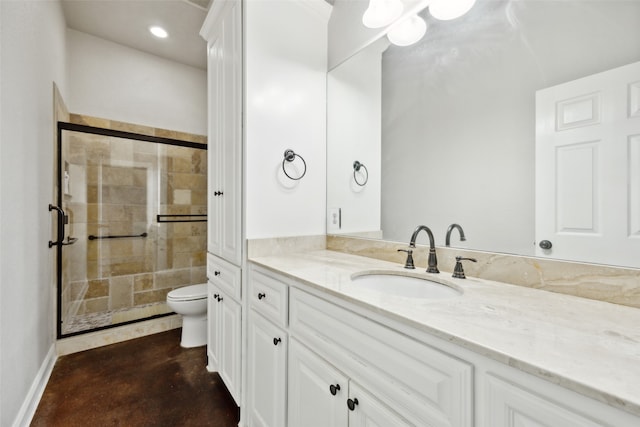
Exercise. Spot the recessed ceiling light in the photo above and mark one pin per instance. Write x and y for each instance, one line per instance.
(159, 32)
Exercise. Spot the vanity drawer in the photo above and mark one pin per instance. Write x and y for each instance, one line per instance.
(225, 275)
(269, 296)
(428, 385)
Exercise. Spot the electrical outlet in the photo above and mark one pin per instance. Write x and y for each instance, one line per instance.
(334, 222)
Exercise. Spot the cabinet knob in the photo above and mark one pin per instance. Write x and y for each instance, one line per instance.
(219, 299)
(351, 403)
(261, 295)
(215, 296)
(216, 273)
(334, 389)
(218, 193)
(276, 341)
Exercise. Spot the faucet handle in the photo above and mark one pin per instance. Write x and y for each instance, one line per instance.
(458, 271)
(409, 262)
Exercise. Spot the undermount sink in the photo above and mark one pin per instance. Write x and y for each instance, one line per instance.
(404, 285)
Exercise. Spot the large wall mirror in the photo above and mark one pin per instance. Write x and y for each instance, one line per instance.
(447, 127)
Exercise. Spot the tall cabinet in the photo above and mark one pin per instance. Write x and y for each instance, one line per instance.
(223, 31)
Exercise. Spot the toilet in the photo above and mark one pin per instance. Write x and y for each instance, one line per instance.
(191, 303)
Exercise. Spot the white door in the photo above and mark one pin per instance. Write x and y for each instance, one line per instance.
(312, 384)
(371, 412)
(230, 332)
(225, 135)
(509, 405)
(213, 328)
(267, 373)
(588, 168)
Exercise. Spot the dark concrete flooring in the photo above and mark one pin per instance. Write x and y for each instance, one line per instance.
(149, 381)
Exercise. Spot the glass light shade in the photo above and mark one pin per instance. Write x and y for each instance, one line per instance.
(381, 13)
(407, 32)
(445, 10)
(159, 32)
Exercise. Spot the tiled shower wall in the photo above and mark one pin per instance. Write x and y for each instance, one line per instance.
(115, 189)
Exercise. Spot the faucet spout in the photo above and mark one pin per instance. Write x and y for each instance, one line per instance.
(450, 229)
(433, 260)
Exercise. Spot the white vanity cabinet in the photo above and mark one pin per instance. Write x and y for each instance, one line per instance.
(267, 350)
(267, 372)
(224, 327)
(421, 384)
(320, 395)
(223, 31)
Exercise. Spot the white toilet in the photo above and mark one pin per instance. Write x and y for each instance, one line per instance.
(191, 303)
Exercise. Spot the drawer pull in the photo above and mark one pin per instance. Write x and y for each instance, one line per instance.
(261, 295)
(351, 403)
(276, 341)
(334, 389)
(216, 273)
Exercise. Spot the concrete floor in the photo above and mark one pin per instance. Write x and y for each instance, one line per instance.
(149, 381)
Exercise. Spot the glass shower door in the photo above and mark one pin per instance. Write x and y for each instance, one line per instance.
(135, 211)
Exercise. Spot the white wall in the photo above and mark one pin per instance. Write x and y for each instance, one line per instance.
(285, 107)
(113, 81)
(32, 37)
(353, 133)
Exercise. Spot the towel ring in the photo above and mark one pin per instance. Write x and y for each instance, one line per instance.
(289, 156)
(356, 168)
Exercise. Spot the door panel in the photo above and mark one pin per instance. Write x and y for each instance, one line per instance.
(587, 168)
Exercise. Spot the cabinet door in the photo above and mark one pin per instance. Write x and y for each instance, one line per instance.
(312, 382)
(510, 405)
(368, 411)
(213, 328)
(267, 365)
(230, 318)
(225, 137)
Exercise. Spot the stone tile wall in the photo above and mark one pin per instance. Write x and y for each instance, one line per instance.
(117, 187)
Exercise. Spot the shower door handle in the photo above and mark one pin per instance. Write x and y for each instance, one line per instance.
(62, 220)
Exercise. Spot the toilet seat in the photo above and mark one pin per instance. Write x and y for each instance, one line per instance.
(188, 293)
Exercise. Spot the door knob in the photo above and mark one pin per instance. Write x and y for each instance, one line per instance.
(545, 244)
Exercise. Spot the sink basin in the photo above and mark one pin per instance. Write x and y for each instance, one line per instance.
(404, 286)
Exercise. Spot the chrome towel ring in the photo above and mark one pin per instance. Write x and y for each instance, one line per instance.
(356, 168)
(289, 156)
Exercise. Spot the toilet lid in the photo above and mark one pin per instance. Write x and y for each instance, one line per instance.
(188, 293)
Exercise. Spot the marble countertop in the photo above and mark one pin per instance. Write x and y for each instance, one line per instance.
(588, 346)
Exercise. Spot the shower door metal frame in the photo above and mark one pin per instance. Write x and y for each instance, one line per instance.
(75, 127)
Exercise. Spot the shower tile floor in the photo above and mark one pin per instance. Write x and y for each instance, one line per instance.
(87, 322)
(149, 381)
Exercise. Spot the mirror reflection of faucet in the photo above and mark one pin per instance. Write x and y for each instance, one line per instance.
(450, 229)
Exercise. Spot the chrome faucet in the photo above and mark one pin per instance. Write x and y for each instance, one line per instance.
(450, 229)
(433, 260)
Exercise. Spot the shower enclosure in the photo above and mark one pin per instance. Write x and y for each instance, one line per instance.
(131, 214)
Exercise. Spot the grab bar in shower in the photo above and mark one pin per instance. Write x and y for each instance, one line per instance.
(62, 220)
(182, 218)
(92, 237)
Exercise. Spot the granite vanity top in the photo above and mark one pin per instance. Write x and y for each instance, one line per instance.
(588, 346)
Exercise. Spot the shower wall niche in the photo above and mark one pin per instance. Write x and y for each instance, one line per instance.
(136, 208)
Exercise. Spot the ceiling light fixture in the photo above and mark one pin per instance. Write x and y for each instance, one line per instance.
(381, 13)
(159, 32)
(445, 10)
(408, 31)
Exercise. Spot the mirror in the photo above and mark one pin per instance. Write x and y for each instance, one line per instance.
(447, 127)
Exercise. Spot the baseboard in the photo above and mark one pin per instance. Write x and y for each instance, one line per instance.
(30, 404)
